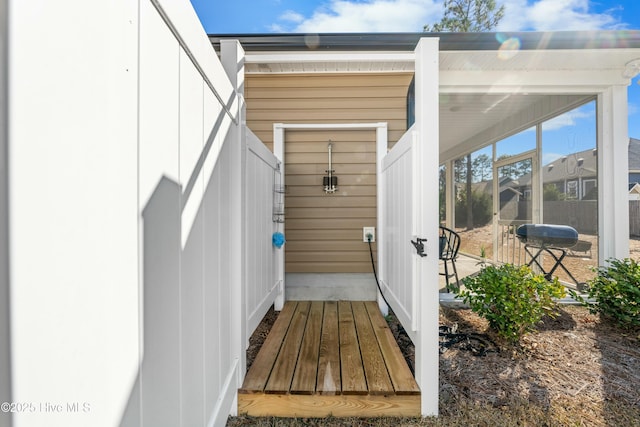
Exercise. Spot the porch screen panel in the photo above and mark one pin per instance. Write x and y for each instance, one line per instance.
(569, 181)
(473, 175)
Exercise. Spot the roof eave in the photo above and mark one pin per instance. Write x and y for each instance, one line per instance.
(448, 41)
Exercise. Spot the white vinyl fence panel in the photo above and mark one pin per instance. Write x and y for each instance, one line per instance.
(397, 170)
(126, 183)
(262, 281)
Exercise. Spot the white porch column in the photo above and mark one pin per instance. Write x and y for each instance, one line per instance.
(426, 180)
(232, 58)
(613, 174)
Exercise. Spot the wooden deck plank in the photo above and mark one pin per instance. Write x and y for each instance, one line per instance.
(304, 378)
(319, 406)
(375, 369)
(285, 364)
(329, 381)
(353, 378)
(400, 374)
(256, 378)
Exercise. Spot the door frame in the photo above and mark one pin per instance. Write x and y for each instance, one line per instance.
(536, 196)
(279, 131)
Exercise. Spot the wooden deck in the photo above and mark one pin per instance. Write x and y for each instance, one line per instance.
(329, 358)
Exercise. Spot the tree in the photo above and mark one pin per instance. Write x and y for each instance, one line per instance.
(482, 168)
(465, 16)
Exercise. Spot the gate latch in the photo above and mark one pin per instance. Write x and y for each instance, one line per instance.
(419, 245)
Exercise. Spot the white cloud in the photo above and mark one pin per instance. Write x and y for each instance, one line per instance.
(366, 16)
(412, 15)
(291, 16)
(549, 15)
(569, 119)
(550, 157)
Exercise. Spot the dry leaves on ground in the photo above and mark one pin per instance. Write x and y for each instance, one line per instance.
(577, 370)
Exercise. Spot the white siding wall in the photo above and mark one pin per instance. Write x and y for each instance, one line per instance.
(125, 291)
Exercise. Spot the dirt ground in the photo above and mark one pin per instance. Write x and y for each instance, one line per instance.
(577, 370)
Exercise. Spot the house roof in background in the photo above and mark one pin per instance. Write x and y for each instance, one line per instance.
(634, 155)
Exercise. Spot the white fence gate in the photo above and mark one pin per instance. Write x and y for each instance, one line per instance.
(262, 274)
(397, 269)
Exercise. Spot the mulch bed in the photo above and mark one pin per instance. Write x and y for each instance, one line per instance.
(577, 370)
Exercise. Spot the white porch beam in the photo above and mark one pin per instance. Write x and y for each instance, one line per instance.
(613, 174)
(510, 80)
(427, 122)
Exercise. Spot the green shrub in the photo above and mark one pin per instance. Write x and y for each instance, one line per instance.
(513, 299)
(616, 291)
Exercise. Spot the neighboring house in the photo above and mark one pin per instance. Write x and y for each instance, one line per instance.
(574, 176)
(634, 191)
(137, 202)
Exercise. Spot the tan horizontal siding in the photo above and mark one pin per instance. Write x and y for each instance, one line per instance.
(333, 202)
(345, 168)
(326, 246)
(264, 129)
(320, 212)
(324, 231)
(326, 266)
(335, 235)
(343, 190)
(262, 104)
(343, 179)
(323, 92)
(360, 115)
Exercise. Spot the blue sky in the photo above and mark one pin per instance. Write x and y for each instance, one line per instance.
(327, 16)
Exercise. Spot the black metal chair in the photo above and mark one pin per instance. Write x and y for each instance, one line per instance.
(449, 245)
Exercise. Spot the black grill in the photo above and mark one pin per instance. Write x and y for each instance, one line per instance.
(559, 236)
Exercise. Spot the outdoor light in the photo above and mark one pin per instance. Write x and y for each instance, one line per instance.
(330, 182)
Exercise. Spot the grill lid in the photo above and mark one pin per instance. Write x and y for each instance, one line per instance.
(548, 234)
